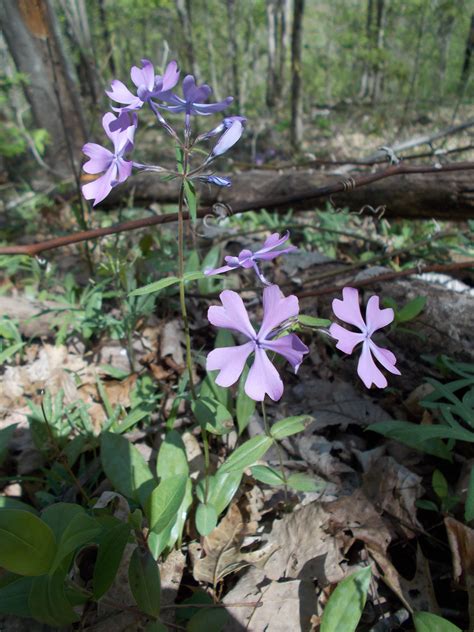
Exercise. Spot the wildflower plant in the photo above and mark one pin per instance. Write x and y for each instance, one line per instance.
(238, 376)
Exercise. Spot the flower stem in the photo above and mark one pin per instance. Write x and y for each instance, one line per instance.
(278, 449)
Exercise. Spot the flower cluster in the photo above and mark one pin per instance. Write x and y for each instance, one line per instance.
(155, 91)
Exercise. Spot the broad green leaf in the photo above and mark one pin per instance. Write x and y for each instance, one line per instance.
(206, 518)
(312, 321)
(166, 539)
(6, 502)
(27, 544)
(411, 309)
(14, 597)
(440, 484)
(427, 622)
(193, 276)
(212, 415)
(289, 426)
(156, 286)
(211, 260)
(210, 390)
(423, 438)
(469, 507)
(346, 604)
(125, 467)
(48, 601)
(82, 530)
(59, 515)
(190, 195)
(156, 626)
(111, 547)
(267, 475)
(246, 454)
(145, 584)
(7, 353)
(222, 489)
(429, 505)
(304, 483)
(172, 458)
(209, 619)
(5, 437)
(244, 405)
(165, 501)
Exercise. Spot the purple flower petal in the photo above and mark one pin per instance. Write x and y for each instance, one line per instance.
(101, 187)
(144, 77)
(211, 271)
(348, 309)
(276, 309)
(386, 358)
(375, 317)
(205, 109)
(230, 361)
(290, 347)
(120, 93)
(170, 76)
(367, 369)
(232, 315)
(263, 379)
(99, 158)
(347, 340)
(124, 170)
(228, 139)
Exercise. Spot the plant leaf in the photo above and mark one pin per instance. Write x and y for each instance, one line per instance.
(289, 426)
(245, 405)
(27, 544)
(246, 454)
(111, 547)
(344, 608)
(427, 622)
(206, 518)
(145, 584)
(172, 456)
(267, 475)
(156, 286)
(165, 501)
(212, 415)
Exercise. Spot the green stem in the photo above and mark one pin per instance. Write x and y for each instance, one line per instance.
(184, 313)
(278, 448)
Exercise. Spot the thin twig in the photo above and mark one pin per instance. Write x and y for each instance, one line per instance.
(272, 203)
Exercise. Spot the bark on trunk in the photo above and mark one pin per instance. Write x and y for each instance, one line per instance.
(444, 195)
(467, 57)
(32, 37)
(234, 53)
(296, 72)
(183, 8)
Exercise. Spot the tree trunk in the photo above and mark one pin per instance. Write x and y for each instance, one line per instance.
(106, 38)
(467, 57)
(234, 53)
(444, 195)
(271, 50)
(32, 37)
(183, 8)
(364, 83)
(283, 12)
(80, 35)
(379, 34)
(296, 132)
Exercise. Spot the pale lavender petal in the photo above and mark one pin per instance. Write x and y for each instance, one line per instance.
(367, 369)
(276, 309)
(101, 187)
(199, 94)
(269, 256)
(348, 309)
(263, 379)
(230, 361)
(144, 76)
(211, 271)
(290, 347)
(124, 170)
(386, 358)
(228, 139)
(171, 76)
(259, 273)
(347, 340)
(232, 314)
(120, 93)
(205, 109)
(99, 158)
(375, 317)
(273, 241)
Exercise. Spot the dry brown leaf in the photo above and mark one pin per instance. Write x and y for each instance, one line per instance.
(171, 573)
(461, 542)
(395, 489)
(222, 549)
(171, 342)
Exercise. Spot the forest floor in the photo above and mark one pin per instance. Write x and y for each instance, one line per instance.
(395, 501)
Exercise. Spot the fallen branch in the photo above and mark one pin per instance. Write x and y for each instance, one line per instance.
(276, 203)
(390, 276)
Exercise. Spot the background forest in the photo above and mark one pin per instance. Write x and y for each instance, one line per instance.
(189, 437)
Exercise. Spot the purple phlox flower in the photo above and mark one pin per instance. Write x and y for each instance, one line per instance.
(112, 165)
(228, 138)
(217, 180)
(348, 310)
(193, 100)
(263, 378)
(248, 259)
(149, 86)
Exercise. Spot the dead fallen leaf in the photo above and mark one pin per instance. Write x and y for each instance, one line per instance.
(171, 573)
(395, 489)
(222, 548)
(171, 342)
(461, 542)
